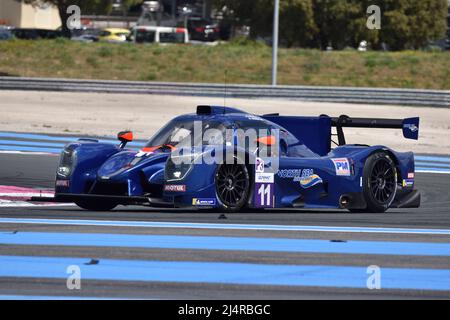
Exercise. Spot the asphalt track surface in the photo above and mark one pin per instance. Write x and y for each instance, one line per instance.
(174, 254)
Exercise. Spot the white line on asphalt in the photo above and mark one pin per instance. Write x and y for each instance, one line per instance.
(26, 194)
(188, 225)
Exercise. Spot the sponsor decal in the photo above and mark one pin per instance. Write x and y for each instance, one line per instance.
(264, 177)
(175, 188)
(62, 183)
(259, 165)
(141, 154)
(411, 126)
(252, 117)
(203, 201)
(264, 196)
(296, 174)
(310, 181)
(342, 166)
(411, 175)
(408, 182)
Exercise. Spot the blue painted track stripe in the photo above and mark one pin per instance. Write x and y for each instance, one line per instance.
(225, 243)
(31, 143)
(40, 144)
(436, 170)
(224, 226)
(33, 149)
(224, 273)
(41, 137)
(431, 158)
(432, 164)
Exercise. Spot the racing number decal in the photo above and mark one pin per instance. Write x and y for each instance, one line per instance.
(264, 186)
(264, 195)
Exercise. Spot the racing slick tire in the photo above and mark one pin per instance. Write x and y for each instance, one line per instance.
(232, 186)
(379, 182)
(95, 205)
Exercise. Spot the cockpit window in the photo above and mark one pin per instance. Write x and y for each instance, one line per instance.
(180, 133)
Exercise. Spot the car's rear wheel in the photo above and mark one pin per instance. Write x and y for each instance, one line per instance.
(232, 186)
(95, 205)
(379, 182)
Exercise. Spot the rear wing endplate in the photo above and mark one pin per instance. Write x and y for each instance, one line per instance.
(410, 126)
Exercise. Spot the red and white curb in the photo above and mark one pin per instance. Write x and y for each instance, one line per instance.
(11, 196)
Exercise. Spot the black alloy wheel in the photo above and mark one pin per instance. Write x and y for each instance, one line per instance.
(232, 186)
(379, 182)
(382, 181)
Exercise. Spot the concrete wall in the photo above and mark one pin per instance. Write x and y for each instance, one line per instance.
(27, 16)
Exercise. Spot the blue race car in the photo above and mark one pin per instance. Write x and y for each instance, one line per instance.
(289, 163)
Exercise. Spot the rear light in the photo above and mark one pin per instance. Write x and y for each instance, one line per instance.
(180, 30)
(200, 29)
(216, 29)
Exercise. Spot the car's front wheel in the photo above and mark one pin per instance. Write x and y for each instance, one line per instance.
(232, 186)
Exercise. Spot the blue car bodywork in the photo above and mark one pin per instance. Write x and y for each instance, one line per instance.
(310, 174)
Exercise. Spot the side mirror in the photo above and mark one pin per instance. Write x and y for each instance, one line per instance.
(124, 137)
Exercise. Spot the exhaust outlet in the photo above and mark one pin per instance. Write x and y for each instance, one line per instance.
(344, 202)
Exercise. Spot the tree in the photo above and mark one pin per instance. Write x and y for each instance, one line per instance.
(405, 24)
(92, 6)
(410, 24)
(297, 25)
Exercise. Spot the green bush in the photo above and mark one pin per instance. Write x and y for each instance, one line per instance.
(105, 52)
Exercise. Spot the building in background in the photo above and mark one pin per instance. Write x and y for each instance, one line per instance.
(20, 15)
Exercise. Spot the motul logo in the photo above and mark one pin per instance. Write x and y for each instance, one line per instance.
(175, 188)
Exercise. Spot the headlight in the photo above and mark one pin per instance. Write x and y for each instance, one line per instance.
(67, 162)
(178, 167)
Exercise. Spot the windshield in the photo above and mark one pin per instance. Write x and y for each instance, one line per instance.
(145, 36)
(180, 133)
(171, 37)
(5, 34)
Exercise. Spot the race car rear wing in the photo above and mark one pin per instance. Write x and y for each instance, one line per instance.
(316, 132)
(410, 126)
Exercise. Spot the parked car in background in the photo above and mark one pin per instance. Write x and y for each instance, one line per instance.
(203, 30)
(85, 35)
(152, 34)
(85, 38)
(33, 33)
(114, 35)
(5, 34)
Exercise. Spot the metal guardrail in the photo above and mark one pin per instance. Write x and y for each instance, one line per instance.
(405, 97)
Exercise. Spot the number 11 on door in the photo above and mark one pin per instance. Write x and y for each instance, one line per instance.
(264, 194)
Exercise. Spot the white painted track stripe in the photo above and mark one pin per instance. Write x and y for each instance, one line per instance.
(431, 171)
(26, 194)
(188, 225)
